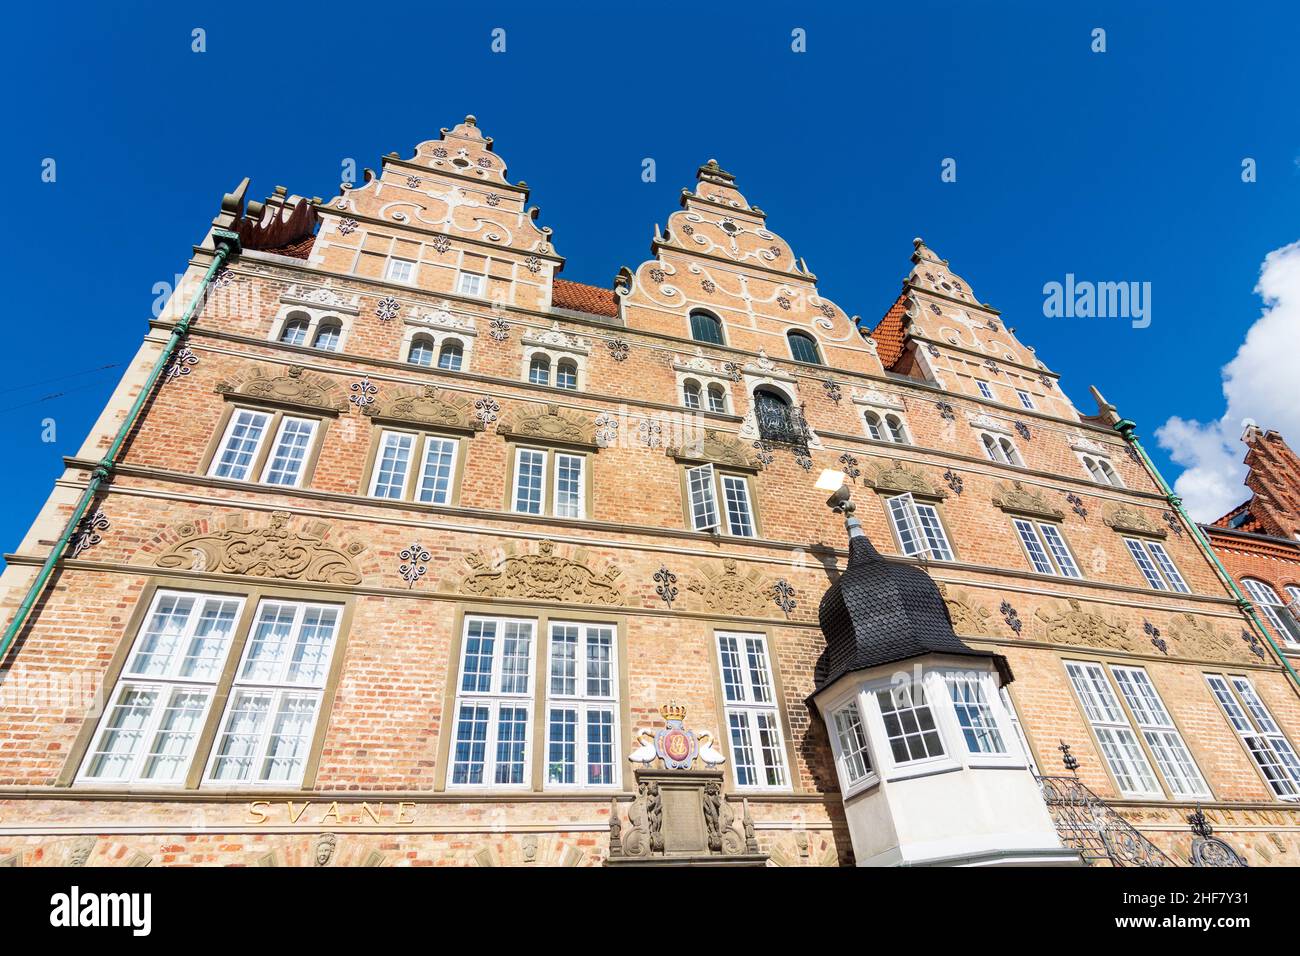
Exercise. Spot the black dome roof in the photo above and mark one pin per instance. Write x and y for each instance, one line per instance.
(882, 612)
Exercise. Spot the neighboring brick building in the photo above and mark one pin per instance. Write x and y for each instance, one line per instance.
(413, 539)
(1259, 540)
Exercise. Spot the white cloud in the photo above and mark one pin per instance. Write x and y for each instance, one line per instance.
(1262, 382)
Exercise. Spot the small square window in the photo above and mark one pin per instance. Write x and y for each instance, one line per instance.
(470, 283)
(400, 270)
(985, 389)
(1025, 400)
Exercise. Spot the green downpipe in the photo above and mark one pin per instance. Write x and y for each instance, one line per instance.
(227, 244)
(1127, 429)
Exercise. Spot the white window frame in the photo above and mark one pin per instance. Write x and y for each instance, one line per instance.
(1260, 735)
(1117, 739)
(1173, 757)
(413, 483)
(494, 699)
(472, 284)
(394, 265)
(313, 319)
(842, 718)
(550, 479)
(1001, 449)
(582, 702)
(755, 702)
(985, 389)
(280, 687)
(272, 422)
(555, 459)
(1046, 548)
(1101, 470)
(1156, 566)
(1265, 597)
(1026, 400)
(987, 704)
(707, 486)
(918, 528)
(886, 426)
(167, 684)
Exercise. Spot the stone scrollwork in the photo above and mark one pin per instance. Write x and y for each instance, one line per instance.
(1078, 627)
(897, 477)
(1123, 518)
(1197, 639)
(733, 592)
(544, 576)
(430, 406)
(966, 617)
(1021, 500)
(273, 551)
(551, 423)
(713, 446)
(292, 387)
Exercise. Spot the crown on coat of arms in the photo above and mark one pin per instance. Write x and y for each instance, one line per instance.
(673, 711)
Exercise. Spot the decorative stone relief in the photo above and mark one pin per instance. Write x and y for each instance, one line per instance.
(388, 308)
(645, 835)
(713, 446)
(898, 477)
(1197, 639)
(878, 399)
(544, 576)
(732, 592)
(551, 423)
(989, 424)
(1083, 628)
(966, 617)
(292, 387)
(1123, 518)
(326, 843)
(618, 350)
(79, 851)
(1021, 500)
(428, 406)
(275, 551)
(555, 337)
(486, 410)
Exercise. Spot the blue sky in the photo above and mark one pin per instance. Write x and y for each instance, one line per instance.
(1120, 166)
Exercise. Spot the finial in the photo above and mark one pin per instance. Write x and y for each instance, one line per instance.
(918, 242)
(470, 120)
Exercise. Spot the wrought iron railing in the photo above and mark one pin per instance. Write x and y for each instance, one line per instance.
(1100, 835)
(781, 423)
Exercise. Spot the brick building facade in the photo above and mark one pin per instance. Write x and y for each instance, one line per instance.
(414, 538)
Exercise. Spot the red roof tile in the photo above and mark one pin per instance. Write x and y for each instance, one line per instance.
(889, 334)
(584, 298)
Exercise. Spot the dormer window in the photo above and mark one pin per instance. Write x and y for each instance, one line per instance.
(706, 327)
(803, 348)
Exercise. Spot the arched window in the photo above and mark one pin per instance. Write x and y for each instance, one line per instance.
(566, 374)
(717, 399)
(691, 393)
(539, 370)
(1001, 450)
(803, 348)
(875, 427)
(1274, 611)
(421, 352)
(886, 428)
(1009, 452)
(897, 433)
(451, 355)
(294, 332)
(706, 328)
(328, 336)
(776, 418)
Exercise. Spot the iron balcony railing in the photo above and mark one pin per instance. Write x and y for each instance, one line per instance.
(1100, 835)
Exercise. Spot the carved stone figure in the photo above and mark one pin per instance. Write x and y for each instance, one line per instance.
(325, 845)
(646, 818)
(1197, 639)
(732, 592)
(542, 576)
(1080, 627)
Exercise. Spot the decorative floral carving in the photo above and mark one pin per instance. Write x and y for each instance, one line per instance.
(1124, 518)
(292, 387)
(387, 308)
(896, 476)
(650, 433)
(716, 447)
(1010, 616)
(732, 371)
(992, 366)
(87, 535)
(933, 350)
(1194, 638)
(618, 350)
(428, 406)
(551, 423)
(347, 226)
(1153, 632)
(275, 551)
(533, 264)
(657, 276)
(182, 361)
(966, 617)
(1175, 525)
(783, 302)
(666, 585)
(493, 199)
(802, 458)
(709, 286)
(783, 594)
(1021, 500)
(732, 592)
(486, 410)
(363, 392)
(1082, 628)
(1047, 382)
(414, 182)
(1132, 454)
(1076, 505)
(543, 576)
(499, 330)
(414, 563)
(440, 244)
(763, 452)
(833, 391)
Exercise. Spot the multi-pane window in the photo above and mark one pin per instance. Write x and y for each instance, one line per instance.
(975, 717)
(1259, 733)
(266, 732)
(1156, 566)
(400, 270)
(1001, 449)
(1046, 548)
(328, 337)
(1025, 400)
(803, 348)
(855, 758)
(910, 730)
(566, 374)
(451, 356)
(470, 283)
(295, 332)
(242, 452)
(493, 704)
(1162, 737)
(434, 458)
(1275, 612)
(539, 370)
(704, 486)
(717, 399)
(153, 722)
(691, 395)
(581, 715)
(1119, 744)
(1101, 470)
(984, 388)
(706, 328)
(567, 488)
(421, 351)
(887, 427)
(918, 528)
(753, 721)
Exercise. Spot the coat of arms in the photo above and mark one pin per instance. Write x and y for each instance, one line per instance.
(676, 746)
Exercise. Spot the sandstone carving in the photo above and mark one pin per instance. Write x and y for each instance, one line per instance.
(732, 592)
(1196, 639)
(551, 423)
(1021, 500)
(1124, 518)
(898, 477)
(715, 447)
(275, 551)
(429, 406)
(966, 617)
(292, 387)
(544, 576)
(1079, 627)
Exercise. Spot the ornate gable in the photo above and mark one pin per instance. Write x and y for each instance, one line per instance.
(273, 551)
(550, 423)
(429, 406)
(294, 387)
(544, 576)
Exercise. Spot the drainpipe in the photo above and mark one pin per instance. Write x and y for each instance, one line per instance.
(227, 245)
(1127, 429)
